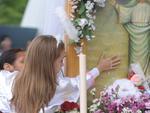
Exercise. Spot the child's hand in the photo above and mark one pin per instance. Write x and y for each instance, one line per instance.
(106, 64)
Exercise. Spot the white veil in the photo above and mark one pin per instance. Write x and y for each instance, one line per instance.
(40, 14)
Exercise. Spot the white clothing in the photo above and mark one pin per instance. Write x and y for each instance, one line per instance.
(67, 90)
(6, 81)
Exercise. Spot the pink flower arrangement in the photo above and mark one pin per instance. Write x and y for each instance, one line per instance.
(111, 103)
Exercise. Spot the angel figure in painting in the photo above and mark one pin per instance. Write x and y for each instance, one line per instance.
(135, 17)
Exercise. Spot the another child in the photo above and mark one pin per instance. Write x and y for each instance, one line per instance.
(11, 61)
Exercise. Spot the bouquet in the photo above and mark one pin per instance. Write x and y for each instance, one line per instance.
(68, 107)
(112, 103)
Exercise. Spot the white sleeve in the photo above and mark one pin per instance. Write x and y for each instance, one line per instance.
(68, 88)
(91, 75)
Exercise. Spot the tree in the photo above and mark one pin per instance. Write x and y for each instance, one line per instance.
(11, 11)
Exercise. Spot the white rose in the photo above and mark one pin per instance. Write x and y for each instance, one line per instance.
(83, 22)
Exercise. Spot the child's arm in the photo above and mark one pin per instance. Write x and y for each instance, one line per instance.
(104, 64)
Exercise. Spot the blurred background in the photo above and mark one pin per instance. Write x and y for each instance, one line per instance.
(11, 11)
(22, 20)
(11, 31)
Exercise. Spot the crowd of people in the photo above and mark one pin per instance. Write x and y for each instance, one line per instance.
(32, 81)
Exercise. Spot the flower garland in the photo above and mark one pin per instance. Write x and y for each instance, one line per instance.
(83, 15)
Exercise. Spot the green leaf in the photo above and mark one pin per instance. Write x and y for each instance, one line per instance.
(82, 8)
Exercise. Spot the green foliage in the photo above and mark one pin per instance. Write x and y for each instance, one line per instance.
(82, 8)
(11, 11)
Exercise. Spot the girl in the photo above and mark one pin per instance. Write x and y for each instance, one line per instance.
(40, 86)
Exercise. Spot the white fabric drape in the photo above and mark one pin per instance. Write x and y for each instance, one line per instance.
(40, 14)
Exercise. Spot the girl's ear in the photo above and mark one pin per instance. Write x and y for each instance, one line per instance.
(8, 67)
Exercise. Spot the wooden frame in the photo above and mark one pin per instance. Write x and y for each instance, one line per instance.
(72, 60)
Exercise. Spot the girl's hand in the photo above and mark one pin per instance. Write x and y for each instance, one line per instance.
(106, 64)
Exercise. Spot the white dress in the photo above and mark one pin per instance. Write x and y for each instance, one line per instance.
(67, 90)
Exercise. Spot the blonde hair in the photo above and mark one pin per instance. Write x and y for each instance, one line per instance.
(35, 86)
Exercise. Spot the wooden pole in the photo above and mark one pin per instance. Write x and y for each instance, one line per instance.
(72, 60)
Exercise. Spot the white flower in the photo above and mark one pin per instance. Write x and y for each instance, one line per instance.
(74, 7)
(89, 5)
(126, 110)
(89, 15)
(93, 36)
(71, 18)
(99, 103)
(93, 107)
(95, 100)
(83, 22)
(139, 111)
(91, 21)
(93, 27)
(78, 28)
(92, 92)
(81, 35)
